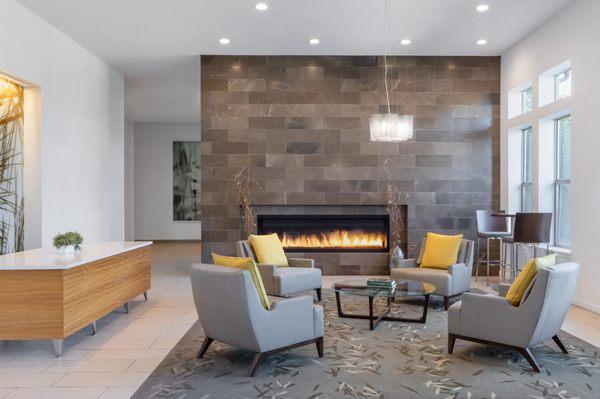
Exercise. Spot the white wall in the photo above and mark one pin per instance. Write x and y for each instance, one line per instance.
(129, 197)
(153, 181)
(573, 34)
(80, 125)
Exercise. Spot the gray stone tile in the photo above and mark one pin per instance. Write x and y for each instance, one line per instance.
(303, 148)
(301, 126)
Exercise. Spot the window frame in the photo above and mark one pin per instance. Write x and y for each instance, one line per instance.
(556, 84)
(523, 109)
(526, 183)
(559, 182)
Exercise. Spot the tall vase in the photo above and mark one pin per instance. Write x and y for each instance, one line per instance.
(396, 255)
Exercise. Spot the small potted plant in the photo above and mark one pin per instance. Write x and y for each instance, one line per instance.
(68, 242)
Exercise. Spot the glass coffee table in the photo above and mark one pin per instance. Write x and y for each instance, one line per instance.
(404, 289)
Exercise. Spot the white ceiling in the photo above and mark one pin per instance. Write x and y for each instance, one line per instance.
(156, 43)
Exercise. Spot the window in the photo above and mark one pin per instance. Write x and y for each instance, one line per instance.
(554, 84)
(562, 183)
(562, 85)
(526, 186)
(526, 100)
(520, 100)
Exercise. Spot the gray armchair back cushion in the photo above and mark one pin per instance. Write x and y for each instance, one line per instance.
(465, 252)
(551, 295)
(226, 301)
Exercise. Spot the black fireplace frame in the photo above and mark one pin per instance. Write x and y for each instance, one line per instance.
(383, 217)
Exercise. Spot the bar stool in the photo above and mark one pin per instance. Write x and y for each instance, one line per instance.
(529, 229)
(490, 228)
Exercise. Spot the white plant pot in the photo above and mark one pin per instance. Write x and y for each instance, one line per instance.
(68, 249)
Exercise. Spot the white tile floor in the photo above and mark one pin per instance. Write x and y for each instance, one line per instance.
(113, 363)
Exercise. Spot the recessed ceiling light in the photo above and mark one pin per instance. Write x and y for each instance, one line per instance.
(482, 7)
(314, 41)
(261, 6)
(224, 40)
(405, 42)
(481, 42)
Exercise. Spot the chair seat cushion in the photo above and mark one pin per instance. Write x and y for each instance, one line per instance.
(440, 278)
(292, 280)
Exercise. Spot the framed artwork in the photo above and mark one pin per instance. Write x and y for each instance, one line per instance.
(186, 180)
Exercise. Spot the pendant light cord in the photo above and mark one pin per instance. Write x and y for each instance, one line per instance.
(385, 66)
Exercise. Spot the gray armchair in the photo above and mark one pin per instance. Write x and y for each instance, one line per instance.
(283, 281)
(230, 311)
(448, 283)
(492, 320)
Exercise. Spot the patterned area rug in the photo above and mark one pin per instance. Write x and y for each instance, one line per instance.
(397, 360)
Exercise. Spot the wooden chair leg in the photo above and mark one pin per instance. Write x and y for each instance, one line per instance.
(526, 352)
(451, 339)
(446, 301)
(258, 358)
(560, 344)
(204, 347)
(319, 344)
(318, 294)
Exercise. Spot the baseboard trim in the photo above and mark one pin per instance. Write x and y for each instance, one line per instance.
(586, 305)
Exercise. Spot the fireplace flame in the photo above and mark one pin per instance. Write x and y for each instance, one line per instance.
(337, 239)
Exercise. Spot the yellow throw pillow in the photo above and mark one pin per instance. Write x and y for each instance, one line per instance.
(268, 250)
(245, 264)
(440, 251)
(525, 277)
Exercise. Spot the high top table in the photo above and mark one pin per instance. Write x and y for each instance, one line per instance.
(47, 295)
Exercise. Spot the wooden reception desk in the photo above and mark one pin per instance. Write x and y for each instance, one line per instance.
(46, 295)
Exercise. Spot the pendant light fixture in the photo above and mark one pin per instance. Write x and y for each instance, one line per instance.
(389, 127)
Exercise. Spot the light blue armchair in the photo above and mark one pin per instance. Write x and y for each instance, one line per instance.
(300, 276)
(492, 320)
(230, 311)
(449, 283)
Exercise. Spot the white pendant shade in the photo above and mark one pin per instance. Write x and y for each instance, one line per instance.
(391, 127)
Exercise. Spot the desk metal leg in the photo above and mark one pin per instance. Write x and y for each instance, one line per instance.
(94, 330)
(58, 347)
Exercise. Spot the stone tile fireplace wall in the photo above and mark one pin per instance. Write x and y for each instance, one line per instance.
(300, 125)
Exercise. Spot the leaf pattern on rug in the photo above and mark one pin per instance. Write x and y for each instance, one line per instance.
(396, 360)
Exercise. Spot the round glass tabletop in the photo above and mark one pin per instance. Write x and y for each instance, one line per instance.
(404, 288)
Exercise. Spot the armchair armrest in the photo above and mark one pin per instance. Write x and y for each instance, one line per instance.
(406, 263)
(294, 305)
(461, 277)
(483, 305)
(288, 322)
(493, 318)
(301, 262)
(457, 267)
(267, 274)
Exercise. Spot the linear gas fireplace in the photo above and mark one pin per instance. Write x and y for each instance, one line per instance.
(328, 233)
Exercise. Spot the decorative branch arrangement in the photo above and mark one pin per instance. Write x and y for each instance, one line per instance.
(242, 184)
(393, 206)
